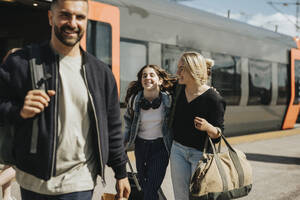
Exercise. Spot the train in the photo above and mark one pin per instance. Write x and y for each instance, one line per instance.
(257, 71)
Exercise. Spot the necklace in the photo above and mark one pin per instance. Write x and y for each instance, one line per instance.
(200, 90)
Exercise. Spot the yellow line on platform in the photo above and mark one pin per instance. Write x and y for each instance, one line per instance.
(250, 138)
(263, 136)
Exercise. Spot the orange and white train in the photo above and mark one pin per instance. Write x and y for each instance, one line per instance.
(257, 71)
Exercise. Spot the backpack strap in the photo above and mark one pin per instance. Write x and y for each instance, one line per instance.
(38, 82)
(37, 69)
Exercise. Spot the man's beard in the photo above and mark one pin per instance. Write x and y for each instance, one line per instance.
(65, 40)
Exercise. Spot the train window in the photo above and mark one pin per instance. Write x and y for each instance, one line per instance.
(24, 24)
(260, 82)
(171, 55)
(297, 82)
(98, 40)
(133, 58)
(226, 77)
(282, 84)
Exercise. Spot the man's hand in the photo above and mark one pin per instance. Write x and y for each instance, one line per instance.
(123, 189)
(35, 102)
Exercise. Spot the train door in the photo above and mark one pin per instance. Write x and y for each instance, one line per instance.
(22, 23)
(102, 37)
(294, 103)
(26, 21)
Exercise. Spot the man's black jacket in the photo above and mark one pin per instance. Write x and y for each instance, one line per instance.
(15, 82)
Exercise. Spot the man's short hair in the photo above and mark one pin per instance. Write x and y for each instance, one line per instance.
(55, 2)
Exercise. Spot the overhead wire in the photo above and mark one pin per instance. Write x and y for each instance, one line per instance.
(274, 7)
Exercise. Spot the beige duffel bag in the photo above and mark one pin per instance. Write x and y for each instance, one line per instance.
(221, 175)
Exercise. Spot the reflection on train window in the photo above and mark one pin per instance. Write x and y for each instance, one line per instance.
(282, 84)
(297, 82)
(226, 77)
(133, 58)
(21, 25)
(98, 40)
(260, 82)
(171, 55)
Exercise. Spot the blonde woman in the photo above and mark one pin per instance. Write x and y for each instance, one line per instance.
(199, 113)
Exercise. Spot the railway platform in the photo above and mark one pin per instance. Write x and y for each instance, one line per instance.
(275, 159)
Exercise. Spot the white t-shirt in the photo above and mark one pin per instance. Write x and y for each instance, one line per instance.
(151, 123)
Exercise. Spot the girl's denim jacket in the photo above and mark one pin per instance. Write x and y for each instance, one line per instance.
(132, 121)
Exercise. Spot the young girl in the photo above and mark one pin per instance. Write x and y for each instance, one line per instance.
(146, 126)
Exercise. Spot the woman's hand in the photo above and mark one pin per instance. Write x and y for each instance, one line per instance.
(202, 125)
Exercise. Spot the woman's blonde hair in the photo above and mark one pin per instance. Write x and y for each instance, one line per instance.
(198, 66)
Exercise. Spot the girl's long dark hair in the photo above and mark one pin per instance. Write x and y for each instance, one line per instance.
(136, 86)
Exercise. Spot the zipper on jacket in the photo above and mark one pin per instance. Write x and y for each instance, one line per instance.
(164, 120)
(56, 115)
(97, 126)
(163, 127)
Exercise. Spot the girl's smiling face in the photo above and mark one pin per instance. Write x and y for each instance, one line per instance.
(150, 79)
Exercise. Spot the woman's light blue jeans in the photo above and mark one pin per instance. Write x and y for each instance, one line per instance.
(184, 161)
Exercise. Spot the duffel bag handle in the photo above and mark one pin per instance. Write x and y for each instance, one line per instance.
(208, 139)
(234, 158)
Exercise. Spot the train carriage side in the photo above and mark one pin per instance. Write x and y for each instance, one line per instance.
(256, 70)
(252, 68)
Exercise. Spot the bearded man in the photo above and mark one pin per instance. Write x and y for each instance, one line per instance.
(78, 127)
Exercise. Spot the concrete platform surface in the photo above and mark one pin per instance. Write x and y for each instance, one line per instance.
(275, 159)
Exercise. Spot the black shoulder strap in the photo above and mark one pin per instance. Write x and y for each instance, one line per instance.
(36, 68)
(38, 82)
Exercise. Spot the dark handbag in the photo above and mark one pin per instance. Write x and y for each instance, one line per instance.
(136, 190)
(221, 175)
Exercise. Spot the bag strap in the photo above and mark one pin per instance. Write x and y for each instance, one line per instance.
(36, 69)
(236, 162)
(234, 157)
(38, 82)
(136, 181)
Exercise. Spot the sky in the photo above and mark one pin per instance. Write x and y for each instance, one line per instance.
(255, 12)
